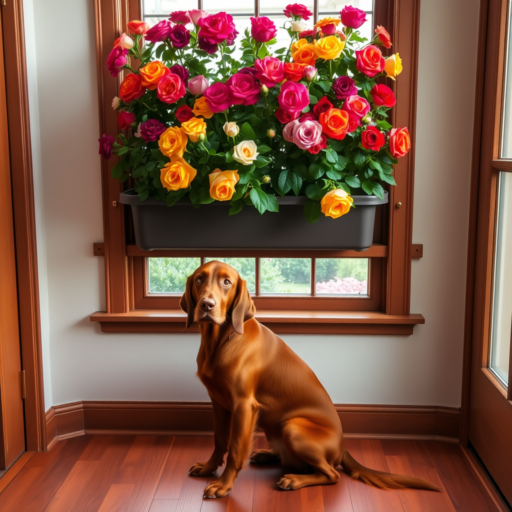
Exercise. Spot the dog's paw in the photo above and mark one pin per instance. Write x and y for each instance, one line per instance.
(216, 489)
(288, 483)
(201, 469)
(263, 457)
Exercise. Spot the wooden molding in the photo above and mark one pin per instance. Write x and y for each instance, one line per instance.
(194, 418)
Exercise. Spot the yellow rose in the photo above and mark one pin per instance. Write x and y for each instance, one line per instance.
(177, 174)
(298, 45)
(336, 203)
(393, 66)
(193, 128)
(329, 47)
(173, 142)
(201, 108)
(245, 152)
(222, 184)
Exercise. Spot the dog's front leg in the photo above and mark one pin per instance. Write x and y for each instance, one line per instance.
(221, 427)
(243, 419)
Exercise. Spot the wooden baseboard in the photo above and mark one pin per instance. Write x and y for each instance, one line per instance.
(196, 418)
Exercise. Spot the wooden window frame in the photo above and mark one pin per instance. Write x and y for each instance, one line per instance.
(385, 311)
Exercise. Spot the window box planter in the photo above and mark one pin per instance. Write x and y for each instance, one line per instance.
(182, 226)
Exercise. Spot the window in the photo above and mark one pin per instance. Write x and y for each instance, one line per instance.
(294, 291)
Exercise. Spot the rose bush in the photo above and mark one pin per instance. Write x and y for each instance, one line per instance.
(310, 119)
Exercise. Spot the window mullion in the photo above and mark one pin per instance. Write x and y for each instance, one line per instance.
(256, 8)
(315, 11)
(313, 277)
(257, 277)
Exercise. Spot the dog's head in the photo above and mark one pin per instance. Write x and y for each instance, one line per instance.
(215, 293)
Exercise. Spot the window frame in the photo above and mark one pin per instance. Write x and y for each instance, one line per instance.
(387, 309)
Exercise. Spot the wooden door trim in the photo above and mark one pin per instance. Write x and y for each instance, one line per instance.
(24, 219)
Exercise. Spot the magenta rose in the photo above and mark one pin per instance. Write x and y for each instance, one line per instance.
(198, 85)
(217, 28)
(245, 90)
(307, 134)
(218, 97)
(288, 130)
(180, 17)
(117, 60)
(160, 32)
(356, 106)
(270, 71)
(231, 39)
(298, 10)
(106, 142)
(344, 87)
(179, 36)
(263, 29)
(181, 72)
(125, 119)
(206, 46)
(352, 17)
(151, 130)
(248, 71)
(329, 30)
(294, 97)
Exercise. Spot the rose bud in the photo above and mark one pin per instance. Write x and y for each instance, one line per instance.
(124, 41)
(116, 102)
(198, 85)
(310, 72)
(299, 26)
(231, 129)
(271, 133)
(266, 179)
(366, 120)
(202, 137)
(264, 89)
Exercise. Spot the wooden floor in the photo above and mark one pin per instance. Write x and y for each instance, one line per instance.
(149, 473)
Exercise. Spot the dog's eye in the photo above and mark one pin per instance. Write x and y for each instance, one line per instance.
(226, 282)
(200, 279)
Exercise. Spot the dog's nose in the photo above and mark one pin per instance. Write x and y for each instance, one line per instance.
(207, 304)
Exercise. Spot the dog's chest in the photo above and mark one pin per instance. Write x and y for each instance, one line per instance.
(215, 378)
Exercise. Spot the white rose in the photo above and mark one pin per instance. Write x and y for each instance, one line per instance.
(231, 129)
(116, 102)
(126, 42)
(299, 26)
(245, 152)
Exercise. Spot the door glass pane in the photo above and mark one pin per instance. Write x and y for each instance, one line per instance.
(506, 143)
(169, 275)
(285, 276)
(246, 267)
(348, 276)
(502, 306)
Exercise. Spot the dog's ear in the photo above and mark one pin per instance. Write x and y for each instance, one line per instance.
(187, 302)
(243, 307)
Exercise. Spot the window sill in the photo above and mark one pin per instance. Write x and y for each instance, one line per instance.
(283, 322)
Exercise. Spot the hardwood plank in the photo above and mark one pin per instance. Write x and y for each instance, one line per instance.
(97, 447)
(311, 499)
(13, 471)
(164, 506)
(118, 498)
(47, 459)
(364, 497)
(10, 498)
(337, 497)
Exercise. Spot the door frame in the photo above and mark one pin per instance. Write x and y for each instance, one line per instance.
(18, 116)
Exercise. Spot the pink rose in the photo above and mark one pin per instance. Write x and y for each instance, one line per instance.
(217, 28)
(125, 119)
(160, 32)
(179, 36)
(307, 134)
(288, 130)
(297, 10)
(245, 90)
(352, 17)
(195, 15)
(180, 17)
(263, 29)
(198, 85)
(218, 97)
(270, 71)
(309, 72)
(356, 106)
(170, 88)
(117, 60)
(294, 97)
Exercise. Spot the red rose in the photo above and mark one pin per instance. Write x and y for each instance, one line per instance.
(399, 142)
(285, 117)
(297, 10)
(170, 88)
(308, 116)
(370, 61)
(383, 96)
(180, 17)
(353, 123)
(318, 147)
(372, 138)
(184, 113)
(308, 33)
(383, 36)
(293, 71)
(125, 119)
(131, 88)
(323, 105)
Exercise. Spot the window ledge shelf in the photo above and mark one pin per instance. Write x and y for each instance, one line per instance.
(283, 322)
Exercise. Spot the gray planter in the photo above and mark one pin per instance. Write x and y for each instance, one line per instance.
(182, 226)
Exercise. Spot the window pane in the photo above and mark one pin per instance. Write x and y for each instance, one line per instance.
(347, 276)
(502, 306)
(506, 145)
(246, 267)
(152, 7)
(337, 5)
(285, 276)
(169, 275)
(270, 7)
(229, 6)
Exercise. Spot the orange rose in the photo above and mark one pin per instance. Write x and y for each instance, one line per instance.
(131, 88)
(222, 184)
(334, 123)
(383, 36)
(293, 71)
(298, 45)
(336, 203)
(399, 142)
(177, 174)
(305, 55)
(152, 73)
(137, 27)
(201, 108)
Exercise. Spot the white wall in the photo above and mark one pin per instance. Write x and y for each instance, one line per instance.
(423, 369)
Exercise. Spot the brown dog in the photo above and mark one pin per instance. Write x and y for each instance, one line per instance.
(254, 378)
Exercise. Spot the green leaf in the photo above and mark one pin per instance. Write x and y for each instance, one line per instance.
(359, 158)
(263, 149)
(282, 182)
(246, 132)
(229, 157)
(261, 161)
(302, 171)
(333, 175)
(337, 145)
(272, 204)
(296, 182)
(259, 199)
(144, 195)
(324, 85)
(387, 178)
(312, 211)
(315, 171)
(235, 208)
(240, 192)
(367, 187)
(385, 158)
(378, 190)
(117, 170)
(331, 156)
(353, 181)
(374, 164)
(313, 100)
(123, 150)
(297, 153)
(314, 192)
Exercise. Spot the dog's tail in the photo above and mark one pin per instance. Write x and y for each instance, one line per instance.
(380, 479)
